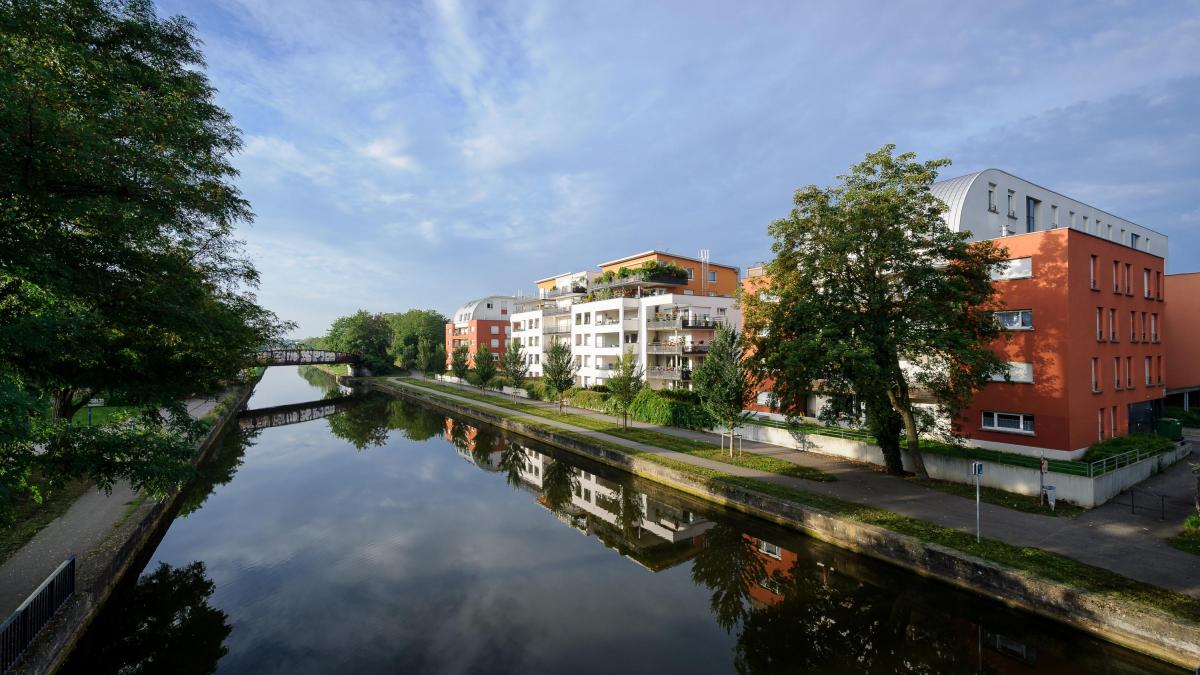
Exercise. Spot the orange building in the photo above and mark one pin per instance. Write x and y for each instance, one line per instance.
(1183, 345)
(1083, 337)
(480, 324)
(704, 278)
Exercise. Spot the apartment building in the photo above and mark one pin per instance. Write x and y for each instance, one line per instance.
(1182, 292)
(485, 323)
(663, 307)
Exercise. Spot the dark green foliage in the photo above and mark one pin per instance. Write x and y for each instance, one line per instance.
(365, 425)
(535, 390)
(431, 355)
(558, 370)
(363, 333)
(729, 567)
(460, 362)
(1122, 444)
(867, 275)
(485, 367)
(624, 385)
(558, 484)
(1189, 418)
(514, 365)
(586, 398)
(723, 382)
(407, 331)
(652, 406)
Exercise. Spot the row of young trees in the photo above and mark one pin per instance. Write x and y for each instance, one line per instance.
(120, 276)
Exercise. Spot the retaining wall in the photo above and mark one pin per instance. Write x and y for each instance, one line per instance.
(1081, 490)
(1134, 627)
(102, 569)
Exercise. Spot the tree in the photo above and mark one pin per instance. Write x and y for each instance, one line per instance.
(558, 372)
(408, 328)
(431, 355)
(460, 362)
(871, 294)
(485, 366)
(558, 484)
(514, 366)
(729, 567)
(363, 333)
(723, 381)
(625, 384)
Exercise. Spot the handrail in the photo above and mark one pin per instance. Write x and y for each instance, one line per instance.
(19, 630)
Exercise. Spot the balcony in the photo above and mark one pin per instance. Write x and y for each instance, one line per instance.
(706, 321)
(653, 279)
(561, 292)
(668, 373)
(670, 321)
(606, 323)
(663, 348)
(664, 322)
(695, 349)
(555, 310)
(459, 332)
(548, 329)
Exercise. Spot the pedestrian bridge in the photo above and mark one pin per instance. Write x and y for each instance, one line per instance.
(303, 357)
(295, 413)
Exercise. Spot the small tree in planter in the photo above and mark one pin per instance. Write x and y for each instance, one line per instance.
(485, 367)
(723, 381)
(514, 366)
(625, 384)
(558, 372)
(460, 362)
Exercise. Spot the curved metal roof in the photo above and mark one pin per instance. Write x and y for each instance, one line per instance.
(953, 192)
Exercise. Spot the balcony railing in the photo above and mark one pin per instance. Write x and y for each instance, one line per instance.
(668, 373)
(602, 321)
(700, 322)
(662, 348)
(664, 321)
(554, 328)
(559, 292)
(458, 332)
(695, 349)
(555, 310)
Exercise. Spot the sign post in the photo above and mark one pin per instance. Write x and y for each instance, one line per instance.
(1042, 466)
(977, 472)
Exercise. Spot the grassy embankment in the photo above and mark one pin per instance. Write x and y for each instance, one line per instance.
(1034, 562)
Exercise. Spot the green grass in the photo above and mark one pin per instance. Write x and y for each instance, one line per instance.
(30, 517)
(709, 451)
(1189, 543)
(1008, 500)
(1035, 562)
(1189, 418)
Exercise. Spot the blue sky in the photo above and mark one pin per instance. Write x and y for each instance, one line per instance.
(420, 154)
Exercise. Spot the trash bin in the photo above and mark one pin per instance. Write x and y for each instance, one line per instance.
(1171, 428)
(1051, 496)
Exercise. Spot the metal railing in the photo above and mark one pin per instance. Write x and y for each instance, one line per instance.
(18, 632)
(668, 373)
(634, 279)
(601, 321)
(662, 348)
(661, 321)
(551, 328)
(1103, 466)
(556, 310)
(559, 292)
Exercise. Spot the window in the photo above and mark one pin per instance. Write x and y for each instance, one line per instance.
(1017, 372)
(1086, 227)
(1122, 233)
(1099, 324)
(1112, 325)
(1020, 319)
(1011, 212)
(712, 276)
(1133, 240)
(1112, 421)
(1095, 375)
(770, 549)
(1053, 215)
(1128, 274)
(578, 319)
(495, 330)
(763, 398)
(1031, 209)
(1158, 369)
(587, 318)
(1116, 277)
(1092, 274)
(1143, 326)
(691, 273)
(1071, 218)
(1154, 328)
(489, 305)
(1129, 372)
(1149, 375)
(1145, 283)
(1018, 268)
(992, 198)
(1019, 423)
(1100, 425)
(495, 344)
(1116, 372)
(1133, 327)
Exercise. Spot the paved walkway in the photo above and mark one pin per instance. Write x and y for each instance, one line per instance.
(1103, 537)
(81, 528)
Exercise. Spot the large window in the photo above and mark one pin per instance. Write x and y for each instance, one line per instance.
(1018, 319)
(770, 549)
(1012, 422)
(1018, 268)
(1031, 209)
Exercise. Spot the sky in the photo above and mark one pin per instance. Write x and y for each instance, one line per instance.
(421, 154)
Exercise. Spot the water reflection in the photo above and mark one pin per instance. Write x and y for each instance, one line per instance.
(164, 624)
(417, 557)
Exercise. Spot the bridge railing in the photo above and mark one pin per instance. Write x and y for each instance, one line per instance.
(293, 357)
(23, 626)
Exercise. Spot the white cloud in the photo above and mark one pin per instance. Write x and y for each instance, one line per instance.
(390, 152)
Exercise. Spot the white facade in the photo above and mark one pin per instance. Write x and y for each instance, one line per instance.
(991, 204)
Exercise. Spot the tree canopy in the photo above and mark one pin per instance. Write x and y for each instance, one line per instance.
(369, 335)
(624, 384)
(408, 328)
(485, 366)
(872, 297)
(460, 362)
(723, 381)
(513, 364)
(558, 370)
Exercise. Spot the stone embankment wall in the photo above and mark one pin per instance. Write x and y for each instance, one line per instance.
(1153, 633)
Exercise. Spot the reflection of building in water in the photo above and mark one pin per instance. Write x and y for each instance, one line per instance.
(652, 533)
(777, 563)
(477, 447)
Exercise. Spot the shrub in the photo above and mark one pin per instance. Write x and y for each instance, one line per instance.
(602, 388)
(499, 382)
(536, 390)
(585, 398)
(684, 395)
(1189, 418)
(1191, 525)
(652, 406)
(1120, 444)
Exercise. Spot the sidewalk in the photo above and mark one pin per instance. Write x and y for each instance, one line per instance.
(80, 529)
(1101, 537)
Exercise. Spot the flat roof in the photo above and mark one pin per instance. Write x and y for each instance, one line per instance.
(564, 274)
(656, 251)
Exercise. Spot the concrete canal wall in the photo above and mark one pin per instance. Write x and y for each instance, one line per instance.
(1134, 627)
(104, 568)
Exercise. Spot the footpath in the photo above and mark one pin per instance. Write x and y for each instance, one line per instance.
(1105, 537)
(89, 521)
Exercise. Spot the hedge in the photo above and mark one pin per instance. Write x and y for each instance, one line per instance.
(652, 406)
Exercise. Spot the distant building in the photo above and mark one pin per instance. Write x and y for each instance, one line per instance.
(1182, 292)
(481, 324)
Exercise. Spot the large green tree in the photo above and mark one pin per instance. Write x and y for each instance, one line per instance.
(514, 366)
(873, 297)
(460, 362)
(723, 381)
(408, 328)
(431, 355)
(120, 276)
(624, 384)
(485, 366)
(367, 334)
(558, 370)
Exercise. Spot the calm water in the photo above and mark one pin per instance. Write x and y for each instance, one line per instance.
(390, 538)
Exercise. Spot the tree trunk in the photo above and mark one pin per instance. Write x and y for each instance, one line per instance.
(901, 403)
(65, 404)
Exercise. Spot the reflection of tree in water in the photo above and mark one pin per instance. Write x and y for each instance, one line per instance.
(826, 622)
(512, 461)
(223, 461)
(322, 380)
(164, 625)
(631, 512)
(416, 422)
(486, 441)
(558, 484)
(364, 425)
(729, 567)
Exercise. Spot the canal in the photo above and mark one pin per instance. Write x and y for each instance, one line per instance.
(387, 537)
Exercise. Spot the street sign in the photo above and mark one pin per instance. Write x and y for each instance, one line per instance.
(1044, 465)
(977, 472)
(976, 468)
